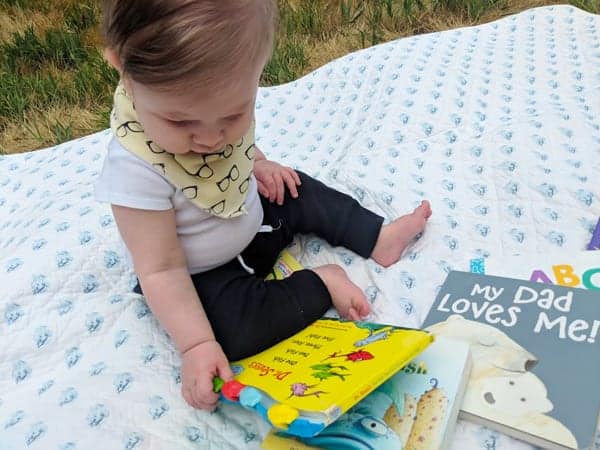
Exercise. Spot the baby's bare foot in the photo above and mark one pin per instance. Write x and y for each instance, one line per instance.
(395, 236)
(347, 297)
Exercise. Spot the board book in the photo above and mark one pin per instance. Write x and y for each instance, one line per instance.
(595, 240)
(575, 269)
(416, 408)
(307, 381)
(284, 266)
(536, 355)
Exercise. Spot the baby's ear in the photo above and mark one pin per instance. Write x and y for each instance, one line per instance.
(112, 57)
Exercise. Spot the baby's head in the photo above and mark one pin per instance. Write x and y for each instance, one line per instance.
(179, 44)
(191, 66)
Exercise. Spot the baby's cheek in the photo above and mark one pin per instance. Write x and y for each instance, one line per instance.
(173, 141)
(239, 130)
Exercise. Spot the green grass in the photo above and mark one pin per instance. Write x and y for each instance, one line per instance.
(24, 4)
(82, 16)
(286, 64)
(28, 52)
(57, 69)
(472, 8)
(52, 73)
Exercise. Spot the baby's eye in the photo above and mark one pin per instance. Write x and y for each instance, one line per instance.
(178, 123)
(233, 118)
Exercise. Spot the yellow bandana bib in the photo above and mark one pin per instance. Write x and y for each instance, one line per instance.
(217, 183)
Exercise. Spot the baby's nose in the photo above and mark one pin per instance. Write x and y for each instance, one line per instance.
(208, 138)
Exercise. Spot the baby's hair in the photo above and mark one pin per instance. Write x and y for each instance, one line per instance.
(170, 44)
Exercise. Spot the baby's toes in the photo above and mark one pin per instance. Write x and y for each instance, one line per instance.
(353, 314)
(363, 308)
(423, 210)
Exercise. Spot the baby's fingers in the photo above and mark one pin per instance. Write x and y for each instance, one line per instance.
(291, 181)
(189, 398)
(271, 187)
(280, 188)
(295, 176)
(206, 397)
(200, 394)
(262, 189)
(225, 371)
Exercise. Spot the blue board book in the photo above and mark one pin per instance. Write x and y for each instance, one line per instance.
(415, 408)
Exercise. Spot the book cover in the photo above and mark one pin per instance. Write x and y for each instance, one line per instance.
(536, 355)
(578, 269)
(307, 381)
(416, 408)
(595, 240)
(285, 265)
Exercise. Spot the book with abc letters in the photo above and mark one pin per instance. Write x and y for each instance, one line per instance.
(571, 269)
(535, 348)
(416, 408)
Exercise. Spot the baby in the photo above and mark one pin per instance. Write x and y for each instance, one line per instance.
(202, 211)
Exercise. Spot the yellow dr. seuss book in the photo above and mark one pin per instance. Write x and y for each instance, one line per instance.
(307, 381)
(284, 266)
(415, 409)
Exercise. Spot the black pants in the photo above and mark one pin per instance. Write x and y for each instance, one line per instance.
(249, 314)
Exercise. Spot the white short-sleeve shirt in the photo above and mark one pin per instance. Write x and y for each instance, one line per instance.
(208, 241)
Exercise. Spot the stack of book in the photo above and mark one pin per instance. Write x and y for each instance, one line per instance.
(306, 382)
(416, 408)
(517, 349)
(535, 346)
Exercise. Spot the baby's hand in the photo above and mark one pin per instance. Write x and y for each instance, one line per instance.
(272, 178)
(199, 365)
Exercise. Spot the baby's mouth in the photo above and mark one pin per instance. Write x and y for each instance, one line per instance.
(206, 150)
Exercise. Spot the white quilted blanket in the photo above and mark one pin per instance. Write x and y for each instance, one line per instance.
(497, 125)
